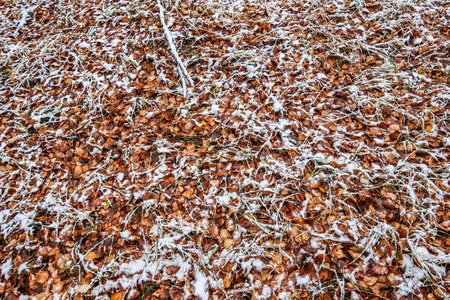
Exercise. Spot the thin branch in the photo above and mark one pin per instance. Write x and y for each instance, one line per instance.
(181, 68)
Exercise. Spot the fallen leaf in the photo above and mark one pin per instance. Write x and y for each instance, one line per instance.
(83, 289)
(445, 225)
(227, 281)
(42, 277)
(91, 255)
(380, 270)
(117, 296)
(213, 231)
(78, 171)
(224, 233)
(394, 127)
(227, 243)
(370, 280)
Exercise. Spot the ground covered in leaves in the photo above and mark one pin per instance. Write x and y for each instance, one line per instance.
(224, 149)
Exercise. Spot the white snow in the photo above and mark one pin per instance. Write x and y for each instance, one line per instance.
(266, 292)
(303, 280)
(6, 268)
(253, 263)
(412, 279)
(201, 286)
(261, 184)
(84, 45)
(321, 76)
(284, 296)
(22, 268)
(125, 234)
(133, 267)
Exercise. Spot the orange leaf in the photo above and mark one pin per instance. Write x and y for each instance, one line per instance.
(90, 256)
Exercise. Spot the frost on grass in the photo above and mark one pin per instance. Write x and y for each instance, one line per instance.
(223, 149)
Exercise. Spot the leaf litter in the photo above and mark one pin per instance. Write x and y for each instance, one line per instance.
(224, 149)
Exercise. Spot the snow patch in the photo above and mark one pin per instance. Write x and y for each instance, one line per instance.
(6, 267)
(201, 286)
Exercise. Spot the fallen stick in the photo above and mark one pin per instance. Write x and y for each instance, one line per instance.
(181, 68)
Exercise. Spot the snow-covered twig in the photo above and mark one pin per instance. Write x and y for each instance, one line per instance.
(181, 68)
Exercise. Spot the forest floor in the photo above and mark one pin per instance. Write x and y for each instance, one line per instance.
(227, 149)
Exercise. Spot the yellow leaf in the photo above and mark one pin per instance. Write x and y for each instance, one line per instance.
(226, 282)
(228, 242)
(224, 233)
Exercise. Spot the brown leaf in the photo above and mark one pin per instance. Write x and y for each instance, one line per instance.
(380, 270)
(392, 278)
(213, 231)
(78, 171)
(393, 128)
(172, 270)
(445, 225)
(159, 294)
(42, 277)
(117, 296)
(337, 252)
(60, 262)
(276, 258)
(188, 193)
(91, 255)
(353, 254)
(176, 294)
(370, 280)
(11, 296)
(57, 286)
(44, 296)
